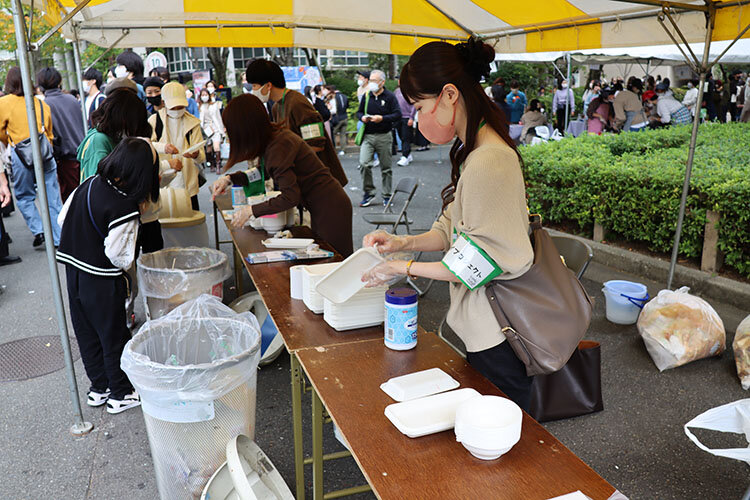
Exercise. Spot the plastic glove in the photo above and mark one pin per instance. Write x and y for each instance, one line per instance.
(241, 216)
(386, 242)
(170, 149)
(386, 273)
(220, 186)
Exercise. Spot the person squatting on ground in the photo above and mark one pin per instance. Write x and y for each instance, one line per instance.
(100, 224)
(14, 128)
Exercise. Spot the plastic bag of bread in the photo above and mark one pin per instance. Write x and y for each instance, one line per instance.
(678, 328)
(741, 346)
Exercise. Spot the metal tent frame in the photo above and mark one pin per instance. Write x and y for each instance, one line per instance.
(668, 9)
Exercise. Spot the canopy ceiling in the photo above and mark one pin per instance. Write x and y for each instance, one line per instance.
(391, 26)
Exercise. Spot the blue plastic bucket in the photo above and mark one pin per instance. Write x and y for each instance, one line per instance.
(625, 299)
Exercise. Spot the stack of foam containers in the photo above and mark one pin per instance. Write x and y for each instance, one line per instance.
(365, 308)
(311, 275)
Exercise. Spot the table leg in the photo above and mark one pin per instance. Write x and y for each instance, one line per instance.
(317, 438)
(238, 267)
(299, 467)
(216, 226)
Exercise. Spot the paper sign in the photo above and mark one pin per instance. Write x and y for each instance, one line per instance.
(469, 263)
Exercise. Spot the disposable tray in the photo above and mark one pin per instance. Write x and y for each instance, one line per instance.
(420, 417)
(341, 285)
(288, 242)
(310, 277)
(419, 384)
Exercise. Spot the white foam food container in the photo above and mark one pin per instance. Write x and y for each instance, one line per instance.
(341, 285)
(419, 384)
(310, 277)
(488, 426)
(288, 242)
(436, 413)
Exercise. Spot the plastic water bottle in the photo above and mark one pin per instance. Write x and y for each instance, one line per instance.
(401, 319)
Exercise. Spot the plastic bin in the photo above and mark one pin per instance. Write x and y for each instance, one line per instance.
(625, 299)
(185, 231)
(196, 372)
(172, 276)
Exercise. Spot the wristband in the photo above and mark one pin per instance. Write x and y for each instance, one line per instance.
(408, 269)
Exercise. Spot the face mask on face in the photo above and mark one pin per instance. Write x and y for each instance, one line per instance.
(204, 98)
(86, 86)
(432, 129)
(373, 87)
(360, 82)
(565, 85)
(175, 113)
(154, 100)
(211, 89)
(260, 95)
(690, 85)
(121, 72)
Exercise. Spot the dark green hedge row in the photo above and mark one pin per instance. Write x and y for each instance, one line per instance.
(631, 184)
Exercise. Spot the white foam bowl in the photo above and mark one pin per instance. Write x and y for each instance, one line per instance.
(488, 426)
(310, 277)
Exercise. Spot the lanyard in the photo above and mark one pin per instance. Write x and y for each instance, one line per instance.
(282, 109)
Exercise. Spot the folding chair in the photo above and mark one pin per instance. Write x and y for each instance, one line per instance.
(406, 187)
(577, 254)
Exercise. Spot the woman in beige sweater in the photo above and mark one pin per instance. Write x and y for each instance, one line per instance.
(484, 205)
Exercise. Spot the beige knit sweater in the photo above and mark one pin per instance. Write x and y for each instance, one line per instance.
(489, 207)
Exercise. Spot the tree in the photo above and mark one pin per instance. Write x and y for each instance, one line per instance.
(39, 27)
(218, 57)
(283, 56)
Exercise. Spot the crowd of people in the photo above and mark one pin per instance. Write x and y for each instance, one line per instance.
(616, 106)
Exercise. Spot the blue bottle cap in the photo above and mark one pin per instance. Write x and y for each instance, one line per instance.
(401, 296)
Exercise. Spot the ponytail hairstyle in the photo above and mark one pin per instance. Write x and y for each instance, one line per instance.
(436, 64)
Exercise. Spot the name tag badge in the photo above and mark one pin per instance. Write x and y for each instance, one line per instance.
(253, 175)
(312, 131)
(469, 263)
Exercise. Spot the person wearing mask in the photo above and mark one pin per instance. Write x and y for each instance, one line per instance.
(100, 227)
(152, 86)
(516, 101)
(211, 87)
(669, 109)
(485, 202)
(531, 119)
(628, 108)
(92, 82)
(691, 96)
(338, 105)
(192, 106)
(405, 129)
(295, 111)
(5, 199)
(66, 122)
(363, 83)
(600, 113)
(175, 130)
(563, 100)
(210, 116)
(379, 112)
(294, 167)
(14, 128)
(316, 97)
(591, 93)
(130, 65)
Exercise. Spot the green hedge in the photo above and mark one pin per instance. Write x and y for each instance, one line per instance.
(631, 184)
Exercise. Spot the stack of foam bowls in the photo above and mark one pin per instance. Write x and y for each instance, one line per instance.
(311, 275)
(365, 308)
(276, 222)
(625, 299)
(255, 200)
(488, 426)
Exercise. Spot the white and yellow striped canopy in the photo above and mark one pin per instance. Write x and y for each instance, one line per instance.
(393, 26)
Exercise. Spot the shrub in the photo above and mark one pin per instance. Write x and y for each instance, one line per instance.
(631, 184)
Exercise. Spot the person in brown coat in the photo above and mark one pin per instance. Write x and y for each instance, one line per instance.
(295, 168)
(295, 111)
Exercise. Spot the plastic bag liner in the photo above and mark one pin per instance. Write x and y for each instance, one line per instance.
(678, 328)
(198, 352)
(178, 271)
(741, 346)
(731, 417)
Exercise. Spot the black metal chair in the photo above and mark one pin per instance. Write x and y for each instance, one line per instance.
(405, 189)
(576, 254)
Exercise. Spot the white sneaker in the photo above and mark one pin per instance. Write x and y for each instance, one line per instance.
(341, 153)
(376, 163)
(410, 158)
(404, 161)
(115, 406)
(96, 398)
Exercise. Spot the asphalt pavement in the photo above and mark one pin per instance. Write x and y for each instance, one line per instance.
(637, 443)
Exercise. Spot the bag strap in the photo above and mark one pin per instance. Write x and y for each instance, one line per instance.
(91, 216)
(158, 127)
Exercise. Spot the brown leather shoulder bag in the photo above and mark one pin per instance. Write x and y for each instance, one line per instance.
(545, 312)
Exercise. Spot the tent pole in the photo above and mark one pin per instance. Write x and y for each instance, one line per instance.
(79, 427)
(79, 76)
(124, 34)
(567, 99)
(704, 68)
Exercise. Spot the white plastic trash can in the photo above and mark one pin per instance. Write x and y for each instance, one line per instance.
(196, 372)
(625, 299)
(172, 276)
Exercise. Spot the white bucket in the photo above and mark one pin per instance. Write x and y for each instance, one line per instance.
(625, 299)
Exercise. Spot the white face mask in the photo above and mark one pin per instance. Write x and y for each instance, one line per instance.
(373, 87)
(260, 95)
(204, 98)
(360, 82)
(211, 89)
(86, 86)
(565, 85)
(175, 113)
(121, 71)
